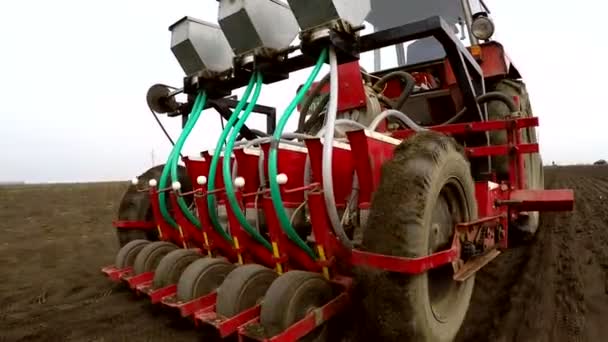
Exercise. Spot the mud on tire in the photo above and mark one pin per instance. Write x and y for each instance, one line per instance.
(425, 190)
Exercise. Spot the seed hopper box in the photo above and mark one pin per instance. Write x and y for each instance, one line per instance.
(199, 45)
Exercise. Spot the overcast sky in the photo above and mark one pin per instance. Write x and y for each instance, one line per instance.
(74, 74)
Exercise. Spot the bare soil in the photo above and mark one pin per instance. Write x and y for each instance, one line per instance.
(54, 239)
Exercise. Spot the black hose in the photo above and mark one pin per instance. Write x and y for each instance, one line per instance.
(162, 127)
(315, 93)
(410, 83)
(256, 132)
(316, 114)
(454, 118)
(498, 96)
(309, 100)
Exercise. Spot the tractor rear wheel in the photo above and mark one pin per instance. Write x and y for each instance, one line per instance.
(148, 259)
(202, 277)
(172, 266)
(533, 165)
(127, 254)
(243, 288)
(135, 205)
(425, 190)
(290, 298)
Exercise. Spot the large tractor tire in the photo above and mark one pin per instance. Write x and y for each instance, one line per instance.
(425, 190)
(135, 205)
(533, 165)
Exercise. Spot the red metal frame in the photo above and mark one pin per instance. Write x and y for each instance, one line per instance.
(187, 309)
(135, 280)
(139, 225)
(212, 241)
(115, 274)
(493, 61)
(351, 92)
(228, 326)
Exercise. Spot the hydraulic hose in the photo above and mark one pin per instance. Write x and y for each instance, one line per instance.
(230, 194)
(498, 96)
(316, 114)
(211, 203)
(396, 114)
(178, 147)
(309, 100)
(314, 94)
(330, 124)
(275, 189)
(410, 83)
(343, 122)
(162, 183)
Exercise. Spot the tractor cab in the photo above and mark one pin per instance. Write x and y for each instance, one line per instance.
(468, 19)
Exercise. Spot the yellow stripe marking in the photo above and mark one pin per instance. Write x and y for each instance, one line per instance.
(207, 243)
(236, 244)
(181, 235)
(322, 257)
(275, 252)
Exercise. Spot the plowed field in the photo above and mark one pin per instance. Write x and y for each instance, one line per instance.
(54, 239)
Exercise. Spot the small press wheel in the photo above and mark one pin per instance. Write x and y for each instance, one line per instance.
(172, 266)
(243, 288)
(148, 259)
(290, 298)
(127, 254)
(202, 277)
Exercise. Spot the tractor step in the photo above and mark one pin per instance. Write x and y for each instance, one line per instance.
(474, 265)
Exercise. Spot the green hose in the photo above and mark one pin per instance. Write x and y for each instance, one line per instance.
(162, 183)
(275, 190)
(230, 194)
(215, 160)
(179, 144)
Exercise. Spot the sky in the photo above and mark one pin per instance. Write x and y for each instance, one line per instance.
(74, 75)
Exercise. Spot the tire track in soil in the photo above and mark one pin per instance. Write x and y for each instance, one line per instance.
(556, 288)
(592, 239)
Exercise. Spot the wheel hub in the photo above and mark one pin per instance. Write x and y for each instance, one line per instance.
(443, 291)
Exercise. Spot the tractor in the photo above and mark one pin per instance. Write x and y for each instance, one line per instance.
(371, 219)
